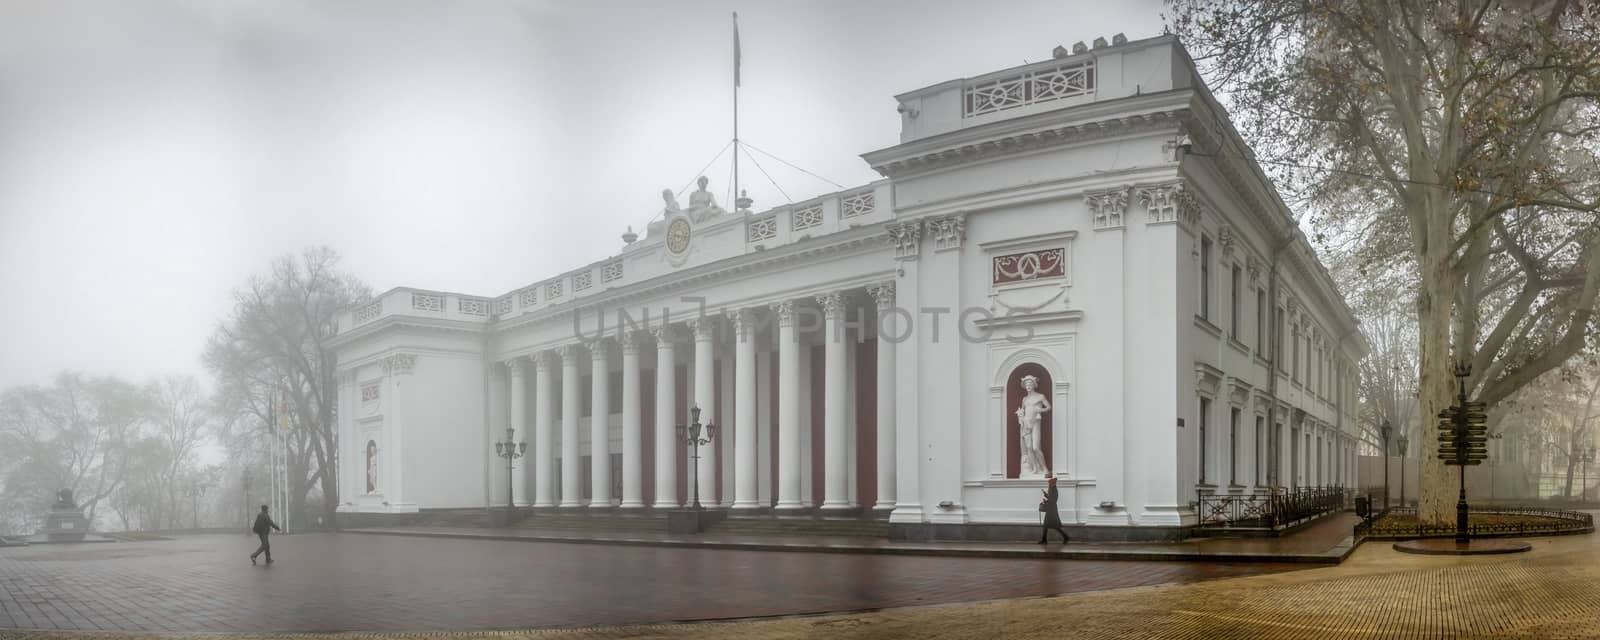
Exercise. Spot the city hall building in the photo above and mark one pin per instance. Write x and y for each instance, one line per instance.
(1070, 267)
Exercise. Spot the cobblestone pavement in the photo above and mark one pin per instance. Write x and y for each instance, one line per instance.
(347, 582)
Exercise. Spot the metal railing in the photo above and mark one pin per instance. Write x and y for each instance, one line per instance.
(1550, 521)
(1278, 509)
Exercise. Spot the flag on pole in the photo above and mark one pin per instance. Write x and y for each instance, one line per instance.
(735, 48)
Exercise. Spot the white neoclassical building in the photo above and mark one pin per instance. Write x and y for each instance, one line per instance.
(1071, 264)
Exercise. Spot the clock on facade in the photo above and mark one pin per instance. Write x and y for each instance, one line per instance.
(678, 235)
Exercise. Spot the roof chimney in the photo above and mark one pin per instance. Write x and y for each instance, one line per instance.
(1099, 43)
(1079, 47)
(1059, 52)
(1119, 39)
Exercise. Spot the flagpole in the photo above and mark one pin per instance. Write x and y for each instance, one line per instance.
(736, 194)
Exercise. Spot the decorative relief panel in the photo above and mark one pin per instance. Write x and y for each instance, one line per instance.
(369, 312)
(552, 290)
(906, 238)
(1031, 265)
(427, 302)
(806, 218)
(582, 281)
(1108, 208)
(857, 205)
(472, 306)
(527, 297)
(502, 306)
(369, 392)
(611, 271)
(1253, 264)
(763, 229)
(948, 232)
(1226, 239)
(400, 363)
(1032, 87)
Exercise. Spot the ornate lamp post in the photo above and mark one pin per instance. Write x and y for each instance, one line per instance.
(1386, 431)
(510, 449)
(1587, 456)
(247, 502)
(1402, 442)
(691, 435)
(1492, 464)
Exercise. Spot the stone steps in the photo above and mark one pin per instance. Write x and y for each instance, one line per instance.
(803, 527)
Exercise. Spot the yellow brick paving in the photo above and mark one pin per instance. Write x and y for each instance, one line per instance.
(1551, 592)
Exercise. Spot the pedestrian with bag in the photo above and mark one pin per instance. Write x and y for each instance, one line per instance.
(264, 525)
(1052, 517)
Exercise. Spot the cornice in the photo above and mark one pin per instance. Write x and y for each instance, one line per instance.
(1088, 122)
(858, 240)
(422, 323)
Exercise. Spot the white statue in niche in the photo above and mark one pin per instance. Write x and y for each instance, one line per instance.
(1030, 414)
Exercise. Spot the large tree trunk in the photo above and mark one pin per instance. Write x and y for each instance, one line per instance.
(1436, 386)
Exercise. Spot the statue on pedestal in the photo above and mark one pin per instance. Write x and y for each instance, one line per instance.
(1030, 413)
(702, 204)
(66, 522)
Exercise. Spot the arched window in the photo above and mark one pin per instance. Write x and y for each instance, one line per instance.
(1014, 395)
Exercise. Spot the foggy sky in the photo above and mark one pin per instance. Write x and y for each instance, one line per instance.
(156, 153)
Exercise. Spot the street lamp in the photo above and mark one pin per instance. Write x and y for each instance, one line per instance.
(1492, 464)
(247, 502)
(1386, 431)
(1402, 442)
(690, 435)
(510, 449)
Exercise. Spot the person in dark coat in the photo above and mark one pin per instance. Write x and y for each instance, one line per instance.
(1052, 517)
(264, 524)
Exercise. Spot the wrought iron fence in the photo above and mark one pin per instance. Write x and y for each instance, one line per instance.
(1278, 509)
(1553, 521)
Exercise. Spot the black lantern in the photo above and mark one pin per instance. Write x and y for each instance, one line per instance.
(1387, 431)
(694, 434)
(1401, 443)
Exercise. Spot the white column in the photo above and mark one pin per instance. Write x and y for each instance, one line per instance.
(745, 494)
(571, 465)
(599, 425)
(632, 438)
(544, 441)
(887, 335)
(835, 484)
(705, 397)
(788, 408)
(666, 417)
(519, 425)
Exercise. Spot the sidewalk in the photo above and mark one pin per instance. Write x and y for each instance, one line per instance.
(1327, 542)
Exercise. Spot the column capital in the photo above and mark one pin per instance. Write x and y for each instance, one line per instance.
(833, 304)
(629, 339)
(745, 322)
(541, 360)
(704, 328)
(599, 348)
(664, 335)
(517, 365)
(567, 353)
(1108, 207)
(883, 294)
(784, 310)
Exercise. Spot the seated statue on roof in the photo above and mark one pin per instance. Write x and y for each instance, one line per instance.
(702, 204)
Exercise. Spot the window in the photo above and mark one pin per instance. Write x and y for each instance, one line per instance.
(1205, 411)
(1233, 302)
(1233, 445)
(1283, 365)
(1295, 372)
(1205, 277)
(1260, 445)
(1261, 322)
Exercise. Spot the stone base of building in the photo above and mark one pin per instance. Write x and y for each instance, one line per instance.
(693, 521)
(976, 532)
(66, 525)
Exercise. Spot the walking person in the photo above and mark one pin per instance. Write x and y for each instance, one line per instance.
(1052, 517)
(264, 524)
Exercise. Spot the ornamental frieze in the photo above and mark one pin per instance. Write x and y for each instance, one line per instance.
(1031, 265)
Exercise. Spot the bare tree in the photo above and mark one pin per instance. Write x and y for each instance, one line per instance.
(274, 348)
(1454, 140)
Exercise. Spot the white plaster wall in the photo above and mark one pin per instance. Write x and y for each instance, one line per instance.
(446, 454)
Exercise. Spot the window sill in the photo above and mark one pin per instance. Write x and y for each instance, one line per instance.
(1238, 346)
(1214, 330)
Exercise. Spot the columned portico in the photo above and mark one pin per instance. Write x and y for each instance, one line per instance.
(836, 488)
(600, 425)
(888, 335)
(745, 487)
(788, 408)
(544, 441)
(705, 398)
(666, 409)
(632, 425)
(519, 423)
(571, 465)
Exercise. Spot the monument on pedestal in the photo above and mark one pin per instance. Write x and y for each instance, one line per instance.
(66, 522)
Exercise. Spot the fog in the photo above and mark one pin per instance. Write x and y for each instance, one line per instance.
(155, 154)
